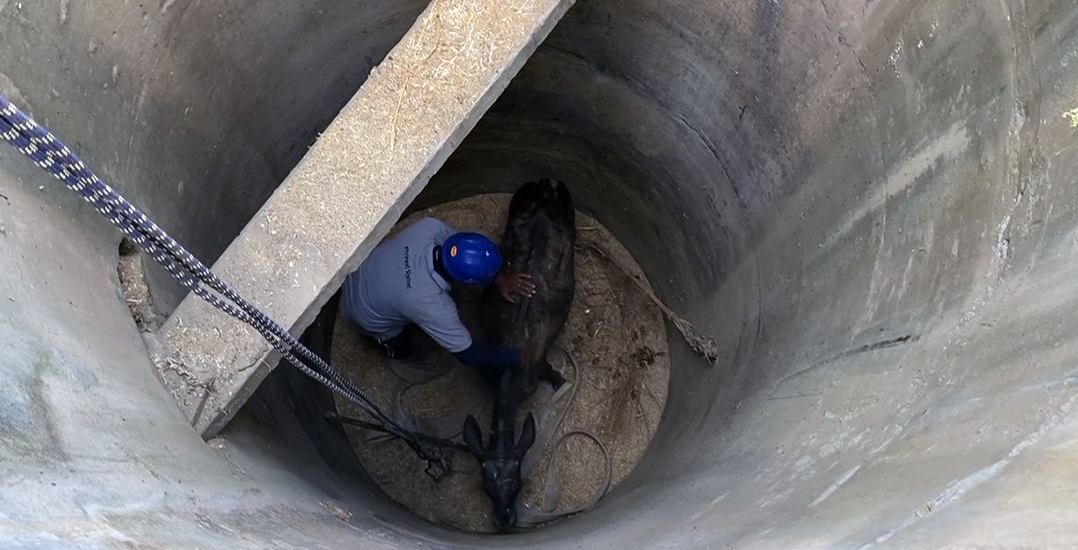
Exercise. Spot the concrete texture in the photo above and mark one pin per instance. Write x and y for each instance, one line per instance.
(870, 204)
(348, 191)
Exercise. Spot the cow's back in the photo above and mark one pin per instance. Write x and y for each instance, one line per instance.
(539, 238)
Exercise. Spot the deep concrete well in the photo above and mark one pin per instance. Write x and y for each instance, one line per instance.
(870, 204)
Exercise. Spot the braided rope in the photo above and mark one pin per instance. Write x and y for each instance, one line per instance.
(49, 153)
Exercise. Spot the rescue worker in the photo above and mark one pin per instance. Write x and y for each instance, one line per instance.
(407, 279)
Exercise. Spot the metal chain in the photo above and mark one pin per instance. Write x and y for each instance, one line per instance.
(49, 153)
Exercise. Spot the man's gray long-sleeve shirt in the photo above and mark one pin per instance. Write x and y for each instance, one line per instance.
(397, 285)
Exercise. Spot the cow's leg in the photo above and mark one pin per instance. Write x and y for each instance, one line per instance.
(547, 373)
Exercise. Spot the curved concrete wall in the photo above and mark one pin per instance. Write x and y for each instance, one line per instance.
(868, 203)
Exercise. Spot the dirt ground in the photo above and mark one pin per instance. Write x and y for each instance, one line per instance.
(136, 292)
(620, 341)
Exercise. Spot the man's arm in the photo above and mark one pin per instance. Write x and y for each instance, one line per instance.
(484, 357)
(441, 321)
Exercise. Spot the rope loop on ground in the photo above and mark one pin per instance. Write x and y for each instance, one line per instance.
(529, 517)
(50, 154)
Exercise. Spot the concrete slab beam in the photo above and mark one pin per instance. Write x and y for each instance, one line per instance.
(348, 191)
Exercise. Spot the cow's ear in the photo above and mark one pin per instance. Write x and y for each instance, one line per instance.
(473, 436)
(527, 435)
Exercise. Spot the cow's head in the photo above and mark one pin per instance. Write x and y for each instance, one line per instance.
(500, 462)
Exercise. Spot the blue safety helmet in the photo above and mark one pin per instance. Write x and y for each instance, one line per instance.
(471, 258)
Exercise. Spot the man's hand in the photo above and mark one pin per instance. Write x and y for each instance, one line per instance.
(511, 285)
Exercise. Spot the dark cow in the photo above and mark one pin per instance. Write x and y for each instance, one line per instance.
(539, 237)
